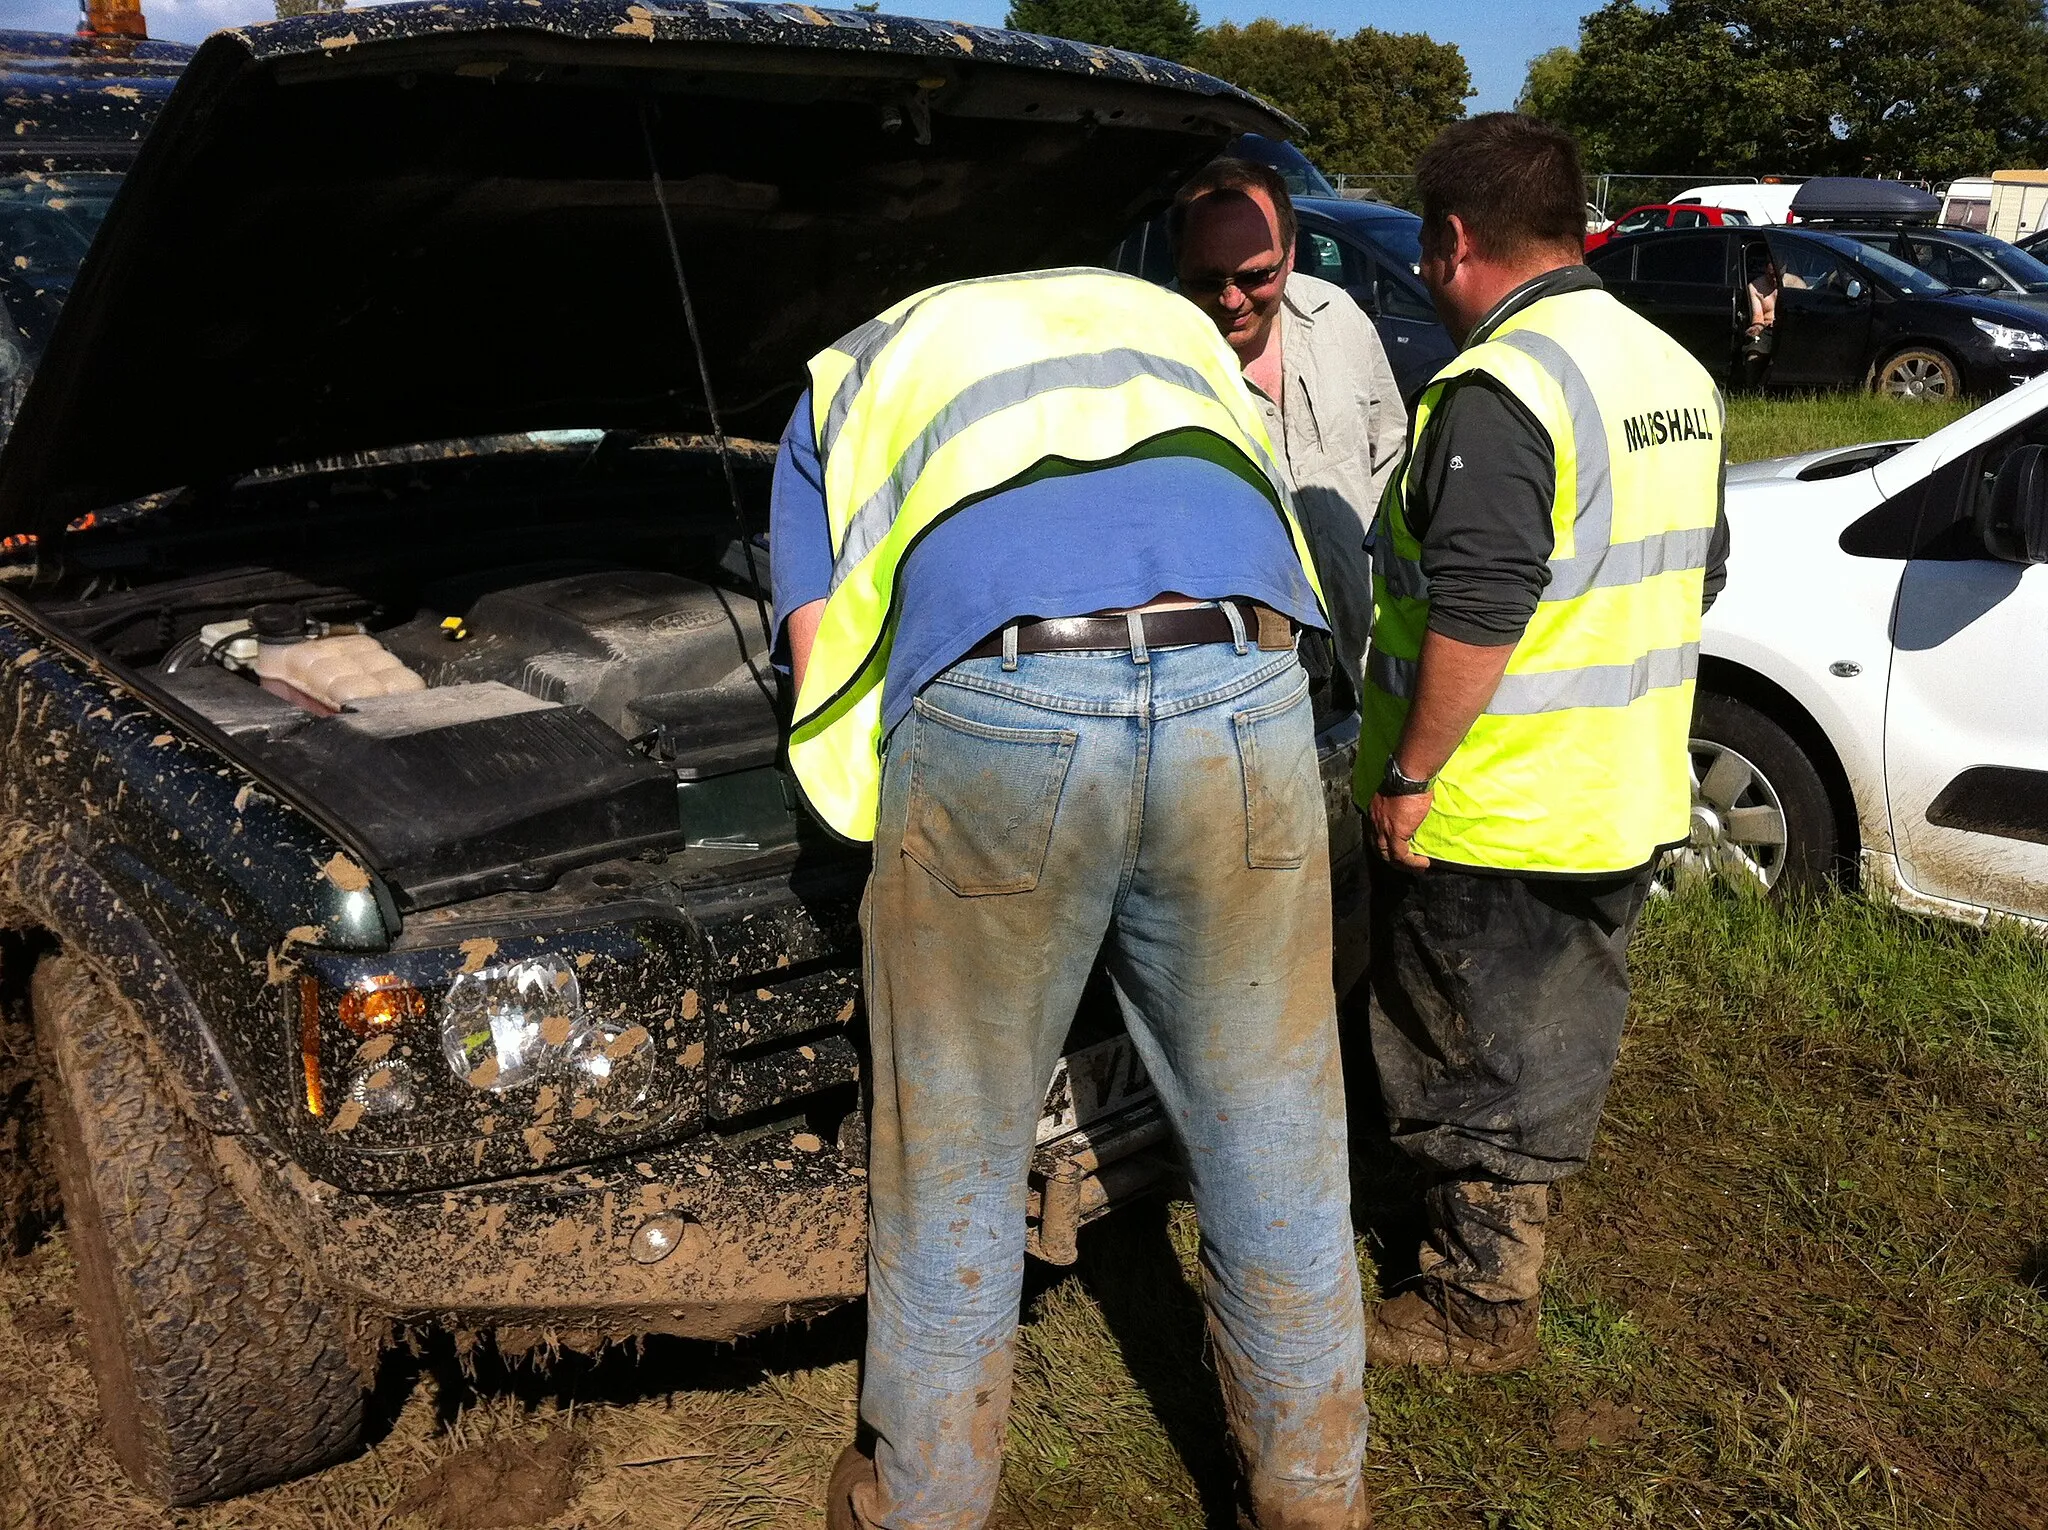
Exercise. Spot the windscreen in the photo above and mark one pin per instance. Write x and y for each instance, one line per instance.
(46, 224)
(1296, 169)
(1907, 278)
(2028, 270)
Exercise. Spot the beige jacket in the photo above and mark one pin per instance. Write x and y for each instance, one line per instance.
(1342, 431)
(1345, 425)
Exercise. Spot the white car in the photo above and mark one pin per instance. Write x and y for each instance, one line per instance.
(1760, 201)
(1873, 683)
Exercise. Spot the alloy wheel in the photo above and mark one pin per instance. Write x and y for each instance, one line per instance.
(1738, 825)
(1918, 374)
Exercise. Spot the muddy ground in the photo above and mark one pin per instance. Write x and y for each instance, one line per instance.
(1803, 1285)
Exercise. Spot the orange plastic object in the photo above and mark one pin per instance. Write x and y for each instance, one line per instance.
(112, 18)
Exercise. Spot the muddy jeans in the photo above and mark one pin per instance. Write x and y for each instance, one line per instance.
(1497, 1007)
(1162, 809)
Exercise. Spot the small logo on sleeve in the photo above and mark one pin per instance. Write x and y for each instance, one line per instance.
(1456, 462)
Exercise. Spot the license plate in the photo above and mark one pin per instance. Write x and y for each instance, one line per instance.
(1096, 1082)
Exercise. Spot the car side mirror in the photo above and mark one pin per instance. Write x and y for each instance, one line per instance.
(1989, 283)
(1854, 290)
(2013, 522)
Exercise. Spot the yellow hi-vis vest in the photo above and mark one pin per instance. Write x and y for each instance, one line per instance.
(954, 393)
(1579, 763)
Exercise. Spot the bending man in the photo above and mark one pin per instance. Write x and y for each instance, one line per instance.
(1039, 582)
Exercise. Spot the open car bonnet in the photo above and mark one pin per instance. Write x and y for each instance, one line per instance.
(428, 221)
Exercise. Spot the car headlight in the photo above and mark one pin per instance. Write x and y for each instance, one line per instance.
(2007, 337)
(507, 1026)
(611, 1075)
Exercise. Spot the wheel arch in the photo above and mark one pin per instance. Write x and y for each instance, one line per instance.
(61, 903)
(1725, 677)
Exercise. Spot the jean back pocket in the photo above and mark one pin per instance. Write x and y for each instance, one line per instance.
(982, 800)
(1283, 792)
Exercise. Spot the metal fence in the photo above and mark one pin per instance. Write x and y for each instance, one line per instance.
(1612, 192)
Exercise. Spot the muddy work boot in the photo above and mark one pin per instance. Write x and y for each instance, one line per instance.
(1482, 1282)
(1444, 1329)
(854, 1470)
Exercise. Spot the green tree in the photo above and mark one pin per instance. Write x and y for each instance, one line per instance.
(1931, 87)
(1370, 101)
(1550, 77)
(1163, 28)
(289, 8)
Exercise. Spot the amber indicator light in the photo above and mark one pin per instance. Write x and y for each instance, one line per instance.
(380, 1005)
(309, 1043)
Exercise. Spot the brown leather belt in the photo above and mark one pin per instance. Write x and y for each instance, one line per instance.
(1180, 627)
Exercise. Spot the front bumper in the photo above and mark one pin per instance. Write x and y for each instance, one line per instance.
(706, 1240)
(1992, 372)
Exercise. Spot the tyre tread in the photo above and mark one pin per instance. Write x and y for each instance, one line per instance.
(238, 1375)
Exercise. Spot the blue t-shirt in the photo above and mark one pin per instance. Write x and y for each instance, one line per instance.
(1065, 545)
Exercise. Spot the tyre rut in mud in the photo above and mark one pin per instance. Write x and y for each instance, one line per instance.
(219, 1368)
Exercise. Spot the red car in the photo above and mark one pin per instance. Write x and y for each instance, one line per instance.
(1640, 220)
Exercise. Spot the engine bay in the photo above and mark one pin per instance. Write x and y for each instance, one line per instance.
(479, 719)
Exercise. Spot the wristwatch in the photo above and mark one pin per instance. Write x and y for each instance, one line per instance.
(1395, 783)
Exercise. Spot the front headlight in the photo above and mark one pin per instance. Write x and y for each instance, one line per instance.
(2008, 337)
(507, 1026)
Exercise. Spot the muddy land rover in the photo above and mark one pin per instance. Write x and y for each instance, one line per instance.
(408, 920)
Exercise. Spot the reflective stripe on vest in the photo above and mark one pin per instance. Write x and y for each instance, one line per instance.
(1579, 763)
(953, 394)
(990, 396)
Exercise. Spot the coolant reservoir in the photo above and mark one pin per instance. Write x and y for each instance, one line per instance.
(333, 671)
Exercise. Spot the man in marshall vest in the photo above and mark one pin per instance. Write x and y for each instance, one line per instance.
(1540, 568)
(1038, 584)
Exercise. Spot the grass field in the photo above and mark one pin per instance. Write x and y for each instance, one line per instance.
(1804, 1284)
(1777, 427)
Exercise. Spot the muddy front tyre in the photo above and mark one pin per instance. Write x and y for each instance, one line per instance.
(219, 1368)
(1918, 372)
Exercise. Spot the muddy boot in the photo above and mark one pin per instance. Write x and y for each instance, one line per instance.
(1482, 1282)
(1444, 1329)
(853, 1471)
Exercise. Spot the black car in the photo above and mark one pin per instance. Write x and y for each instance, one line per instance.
(1848, 315)
(73, 111)
(1964, 260)
(1374, 252)
(519, 999)
(1302, 175)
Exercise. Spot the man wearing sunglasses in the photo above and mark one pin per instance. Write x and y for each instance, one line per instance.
(1317, 370)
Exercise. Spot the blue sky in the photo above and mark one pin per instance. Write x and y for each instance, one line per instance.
(1499, 39)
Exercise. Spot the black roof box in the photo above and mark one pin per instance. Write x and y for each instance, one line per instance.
(1840, 198)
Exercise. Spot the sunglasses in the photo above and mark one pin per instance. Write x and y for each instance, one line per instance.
(1247, 282)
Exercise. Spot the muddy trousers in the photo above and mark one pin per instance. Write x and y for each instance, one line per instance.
(1161, 809)
(1497, 1008)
